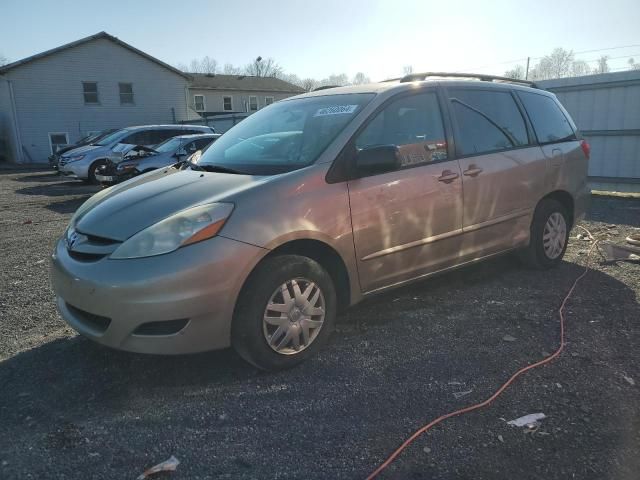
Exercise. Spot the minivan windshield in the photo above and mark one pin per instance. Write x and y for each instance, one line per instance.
(113, 137)
(285, 136)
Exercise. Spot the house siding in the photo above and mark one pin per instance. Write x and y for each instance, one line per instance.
(214, 99)
(49, 97)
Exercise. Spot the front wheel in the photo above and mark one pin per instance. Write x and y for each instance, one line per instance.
(93, 169)
(285, 312)
(549, 235)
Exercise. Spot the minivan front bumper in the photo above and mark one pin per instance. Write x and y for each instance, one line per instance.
(181, 302)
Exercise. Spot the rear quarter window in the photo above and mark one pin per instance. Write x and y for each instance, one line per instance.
(549, 122)
(487, 120)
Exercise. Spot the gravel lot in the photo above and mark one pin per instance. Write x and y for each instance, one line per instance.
(72, 409)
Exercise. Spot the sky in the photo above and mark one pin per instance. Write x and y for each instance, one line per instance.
(319, 38)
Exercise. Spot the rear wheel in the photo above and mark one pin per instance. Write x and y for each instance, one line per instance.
(549, 235)
(285, 312)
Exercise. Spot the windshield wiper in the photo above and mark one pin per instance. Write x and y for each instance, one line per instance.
(214, 168)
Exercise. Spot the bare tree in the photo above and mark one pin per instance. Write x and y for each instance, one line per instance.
(603, 65)
(229, 69)
(262, 67)
(309, 84)
(633, 65)
(555, 65)
(516, 72)
(334, 80)
(360, 78)
(209, 65)
(580, 68)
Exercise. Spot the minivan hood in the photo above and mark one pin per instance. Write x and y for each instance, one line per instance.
(145, 200)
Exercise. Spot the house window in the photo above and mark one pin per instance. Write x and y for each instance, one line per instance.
(198, 102)
(90, 91)
(253, 104)
(126, 93)
(227, 104)
(58, 140)
(268, 101)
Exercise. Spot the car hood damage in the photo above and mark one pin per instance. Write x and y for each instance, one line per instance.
(143, 201)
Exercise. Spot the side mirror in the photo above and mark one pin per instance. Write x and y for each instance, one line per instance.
(376, 159)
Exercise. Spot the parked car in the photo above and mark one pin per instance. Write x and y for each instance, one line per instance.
(82, 163)
(141, 159)
(316, 202)
(86, 140)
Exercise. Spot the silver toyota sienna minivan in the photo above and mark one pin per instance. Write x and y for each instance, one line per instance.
(315, 202)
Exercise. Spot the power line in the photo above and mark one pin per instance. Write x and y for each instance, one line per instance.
(575, 53)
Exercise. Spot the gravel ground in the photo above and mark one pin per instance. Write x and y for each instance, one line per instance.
(72, 409)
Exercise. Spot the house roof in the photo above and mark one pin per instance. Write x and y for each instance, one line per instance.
(100, 35)
(242, 82)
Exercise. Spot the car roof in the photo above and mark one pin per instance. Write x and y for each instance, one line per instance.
(195, 136)
(166, 127)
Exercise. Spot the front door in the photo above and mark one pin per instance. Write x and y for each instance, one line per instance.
(407, 222)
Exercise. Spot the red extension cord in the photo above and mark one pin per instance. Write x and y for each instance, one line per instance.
(497, 393)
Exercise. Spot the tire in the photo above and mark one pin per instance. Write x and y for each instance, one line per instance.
(91, 176)
(257, 340)
(549, 236)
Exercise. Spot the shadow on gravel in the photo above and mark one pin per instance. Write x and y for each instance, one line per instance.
(60, 189)
(40, 178)
(67, 206)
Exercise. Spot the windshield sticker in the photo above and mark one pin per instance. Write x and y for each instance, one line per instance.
(336, 110)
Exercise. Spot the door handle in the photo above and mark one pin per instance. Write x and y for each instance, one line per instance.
(447, 176)
(472, 171)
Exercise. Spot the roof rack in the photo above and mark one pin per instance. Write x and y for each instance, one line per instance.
(412, 77)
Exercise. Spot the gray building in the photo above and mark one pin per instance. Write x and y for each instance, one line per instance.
(58, 96)
(606, 108)
(213, 94)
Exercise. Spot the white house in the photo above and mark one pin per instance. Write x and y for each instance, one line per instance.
(212, 94)
(98, 82)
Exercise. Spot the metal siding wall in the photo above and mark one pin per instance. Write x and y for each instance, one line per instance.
(599, 104)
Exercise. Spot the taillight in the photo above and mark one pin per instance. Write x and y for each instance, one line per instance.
(586, 148)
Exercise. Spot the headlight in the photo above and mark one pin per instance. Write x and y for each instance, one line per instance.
(184, 228)
(125, 167)
(75, 158)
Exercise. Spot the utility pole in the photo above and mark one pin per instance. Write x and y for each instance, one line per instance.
(526, 74)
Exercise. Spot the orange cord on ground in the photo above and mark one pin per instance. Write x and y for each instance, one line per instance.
(477, 406)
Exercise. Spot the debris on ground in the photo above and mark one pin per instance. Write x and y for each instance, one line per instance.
(509, 338)
(614, 253)
(634, 239)
(528, 420)
(629, 380)
(168, 465)
(581, 236)
(426, 450)
(462, 394)
(501, 438)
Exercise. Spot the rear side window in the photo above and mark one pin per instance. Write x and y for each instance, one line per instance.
(488, 121)
(549, 123)
(411, 123)
(157, 136)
